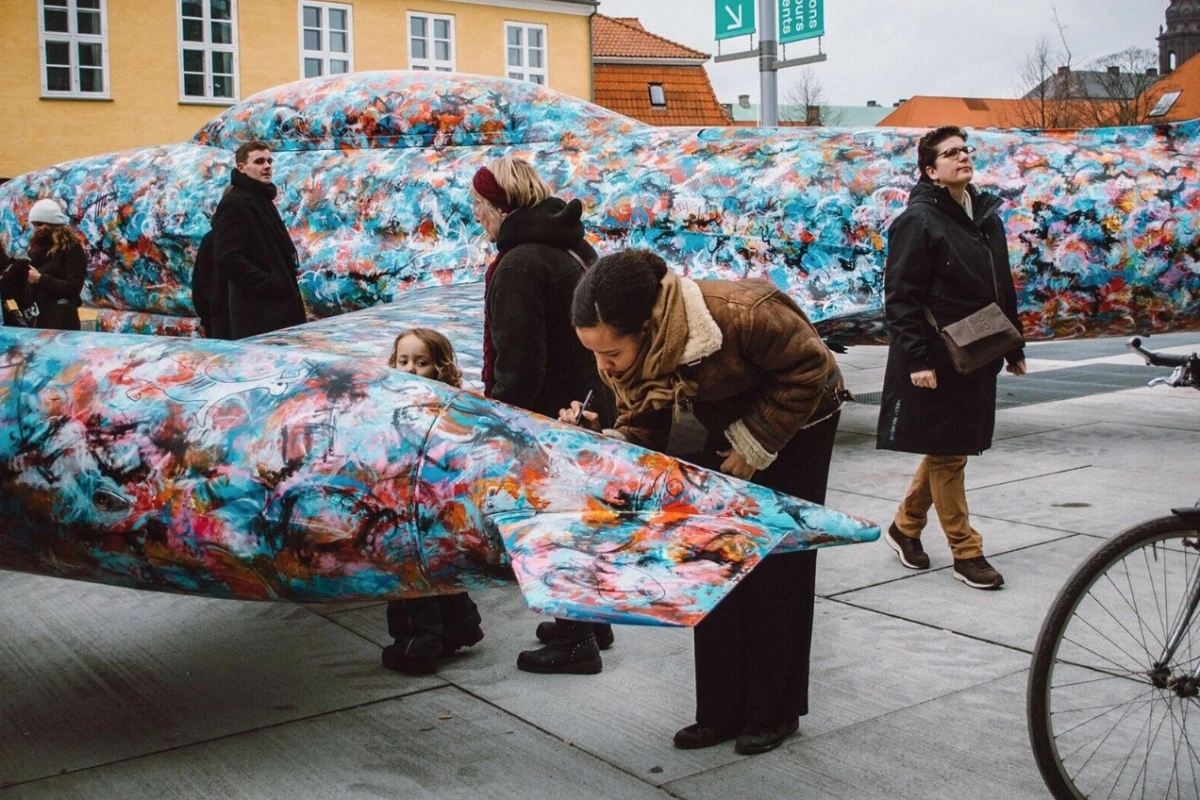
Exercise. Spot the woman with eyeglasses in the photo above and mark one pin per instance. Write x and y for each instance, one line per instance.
(947, 259)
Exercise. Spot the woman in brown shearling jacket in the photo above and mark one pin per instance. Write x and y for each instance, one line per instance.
(745, 359)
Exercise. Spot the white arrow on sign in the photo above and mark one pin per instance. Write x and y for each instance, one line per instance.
(737, 18)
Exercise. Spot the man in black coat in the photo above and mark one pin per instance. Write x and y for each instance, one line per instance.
(948, 256)
(253, 250)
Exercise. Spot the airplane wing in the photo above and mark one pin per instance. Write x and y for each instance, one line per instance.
(455, 311)
(656, 568)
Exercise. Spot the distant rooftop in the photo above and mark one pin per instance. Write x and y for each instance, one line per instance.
(1091, 84)
(624, 37)
(1177, 96)
(980, 112)
(649, 77)
(841, 116)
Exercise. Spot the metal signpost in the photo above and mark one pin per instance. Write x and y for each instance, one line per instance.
(798, 20)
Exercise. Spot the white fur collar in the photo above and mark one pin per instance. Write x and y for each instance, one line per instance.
(704, 336)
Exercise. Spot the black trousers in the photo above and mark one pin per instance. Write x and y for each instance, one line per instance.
(752, 650)
(427, 627)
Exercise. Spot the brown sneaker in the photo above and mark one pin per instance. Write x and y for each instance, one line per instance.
(977, 573)
(912, 554)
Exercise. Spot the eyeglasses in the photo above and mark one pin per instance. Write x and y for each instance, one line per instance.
(953, 153)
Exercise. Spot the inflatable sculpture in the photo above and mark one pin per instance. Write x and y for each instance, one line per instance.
(234, 469)
(373, 170)
(295, 466)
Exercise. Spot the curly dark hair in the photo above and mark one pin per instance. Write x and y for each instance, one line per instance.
(927, 148)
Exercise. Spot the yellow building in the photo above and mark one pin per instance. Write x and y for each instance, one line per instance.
(83, 77)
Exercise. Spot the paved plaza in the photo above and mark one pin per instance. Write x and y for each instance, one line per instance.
(918, 681)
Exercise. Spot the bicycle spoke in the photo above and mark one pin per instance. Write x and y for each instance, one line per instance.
(1122, 627)
(1098, 655)
(1195, 757)
(1131, 601)
(1132, 706)
(1106, 676)
(1107, 734)
(1150, 571)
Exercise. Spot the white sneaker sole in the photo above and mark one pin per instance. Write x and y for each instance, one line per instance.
(887, 537)
(958, 577)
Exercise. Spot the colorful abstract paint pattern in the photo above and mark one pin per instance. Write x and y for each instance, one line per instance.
(374, 168)
(236, 469)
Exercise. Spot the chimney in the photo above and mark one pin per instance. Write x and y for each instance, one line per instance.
(744, 100)
(1114, 70)
(1064, 72)
(872, 104)
(899, 102)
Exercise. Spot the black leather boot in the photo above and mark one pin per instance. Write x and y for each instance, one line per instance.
(604, 633)
(572, 651)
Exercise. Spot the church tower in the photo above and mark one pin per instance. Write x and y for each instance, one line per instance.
(1180, 40)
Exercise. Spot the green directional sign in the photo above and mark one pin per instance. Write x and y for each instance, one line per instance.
(735, 18)
(801, 19)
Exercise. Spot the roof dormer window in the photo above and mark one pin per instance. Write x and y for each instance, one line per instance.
(658, 97)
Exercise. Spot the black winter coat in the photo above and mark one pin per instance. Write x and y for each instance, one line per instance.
(210, 294)
(57, 292)
(941, 258)
(255, 254)
(540, 364)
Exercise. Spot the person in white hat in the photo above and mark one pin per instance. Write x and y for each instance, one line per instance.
(55, 270)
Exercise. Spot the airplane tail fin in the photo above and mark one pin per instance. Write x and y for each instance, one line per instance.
(652, 568)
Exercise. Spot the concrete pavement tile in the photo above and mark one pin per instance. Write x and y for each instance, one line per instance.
(1097, 501)
(968, 744)
(1109, 444)
(843, 569)
(92, 674)
(436, 745)
(628, 713)
(1011, 616)
(858, 418)
(327, 609)
(1157, 406)
(858, 467)
(856, 674)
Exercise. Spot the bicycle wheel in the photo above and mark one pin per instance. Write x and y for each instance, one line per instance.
(1105, 719)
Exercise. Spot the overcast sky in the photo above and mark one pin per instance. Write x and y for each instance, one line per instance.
(884, 50)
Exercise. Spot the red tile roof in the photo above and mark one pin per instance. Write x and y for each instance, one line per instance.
(973, 112)
(625, 88)
(1185, 80)
(624, 37)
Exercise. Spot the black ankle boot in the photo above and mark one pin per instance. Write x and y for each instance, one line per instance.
(394, 658)
(547, 631)
(572, 652)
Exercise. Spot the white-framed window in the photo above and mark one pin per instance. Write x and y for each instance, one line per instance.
(326, 39)
(1164, 104)
(73, 39)
(208, 58)
(658, 96)
(525, 52)
(431, 42)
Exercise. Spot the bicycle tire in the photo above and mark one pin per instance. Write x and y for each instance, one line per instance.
(1040, 700)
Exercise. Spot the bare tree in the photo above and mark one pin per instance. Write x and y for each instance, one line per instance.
(1052, 90)
(805, 103)
(1125, 78)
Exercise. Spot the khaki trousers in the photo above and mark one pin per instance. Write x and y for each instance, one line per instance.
(939, 482)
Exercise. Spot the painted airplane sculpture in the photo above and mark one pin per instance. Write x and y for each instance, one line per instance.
(374, 168)
(295, 466)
